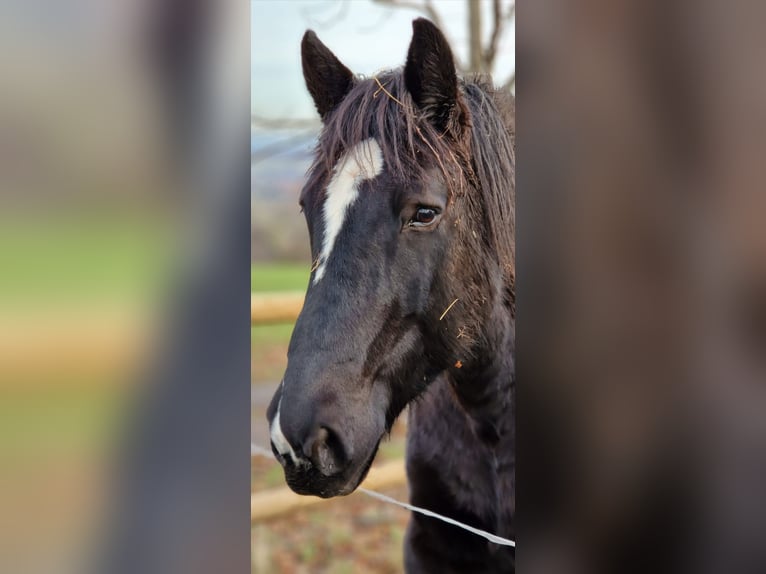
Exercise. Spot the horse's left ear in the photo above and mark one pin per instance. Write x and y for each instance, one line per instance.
(431, 79)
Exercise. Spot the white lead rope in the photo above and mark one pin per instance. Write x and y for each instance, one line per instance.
(258, 450)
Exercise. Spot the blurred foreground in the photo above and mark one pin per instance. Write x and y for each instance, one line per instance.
(642, 287)
(124, 177)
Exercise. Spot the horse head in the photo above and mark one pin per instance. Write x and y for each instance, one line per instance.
(401, 284)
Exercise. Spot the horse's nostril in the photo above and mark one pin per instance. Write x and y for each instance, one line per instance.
(326, 451)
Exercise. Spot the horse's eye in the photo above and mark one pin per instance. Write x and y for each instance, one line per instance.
(423, 217)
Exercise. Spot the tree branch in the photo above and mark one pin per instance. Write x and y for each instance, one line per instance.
(498, 25)
(341, 13)
(427, 8)
(499, 21)
(511, 12)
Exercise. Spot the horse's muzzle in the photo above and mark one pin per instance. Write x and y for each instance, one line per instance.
(315, 457)
(305, 477)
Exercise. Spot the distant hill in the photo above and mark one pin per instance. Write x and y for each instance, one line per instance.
(279, 160)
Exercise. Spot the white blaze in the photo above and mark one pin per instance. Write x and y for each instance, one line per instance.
(364, 161)
(278, 439)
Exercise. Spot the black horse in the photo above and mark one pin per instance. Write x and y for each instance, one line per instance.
(410, 210)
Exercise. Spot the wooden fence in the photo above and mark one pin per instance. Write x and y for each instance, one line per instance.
(269, 308)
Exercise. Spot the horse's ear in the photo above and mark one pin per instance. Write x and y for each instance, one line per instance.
(431, 79)
(327, 79)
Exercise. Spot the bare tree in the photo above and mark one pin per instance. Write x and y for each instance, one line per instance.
(481, 54)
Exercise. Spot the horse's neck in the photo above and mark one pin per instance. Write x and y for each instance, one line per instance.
(485, 390)
(488, 404)
(463, 428)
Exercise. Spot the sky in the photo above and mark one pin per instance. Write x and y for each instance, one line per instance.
(367, 38)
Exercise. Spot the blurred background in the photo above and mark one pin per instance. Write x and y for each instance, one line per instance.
(352, 534)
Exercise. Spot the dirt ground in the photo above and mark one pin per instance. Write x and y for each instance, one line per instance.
(349, 535)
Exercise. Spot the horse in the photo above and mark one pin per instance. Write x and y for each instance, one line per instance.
(411, 301)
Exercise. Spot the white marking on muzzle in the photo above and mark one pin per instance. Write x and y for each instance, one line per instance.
(278, 439)
(364, 161)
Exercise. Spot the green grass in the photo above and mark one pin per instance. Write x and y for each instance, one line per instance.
(269, 334)
(269, 342)
(274, 476)
(307, 551)
(279, 277)
(344, 567)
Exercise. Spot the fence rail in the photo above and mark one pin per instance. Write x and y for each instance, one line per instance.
(270, 308)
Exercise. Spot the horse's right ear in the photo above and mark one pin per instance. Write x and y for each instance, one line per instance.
(327, 79)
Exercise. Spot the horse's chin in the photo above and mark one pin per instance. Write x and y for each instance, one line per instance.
(307, 480)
